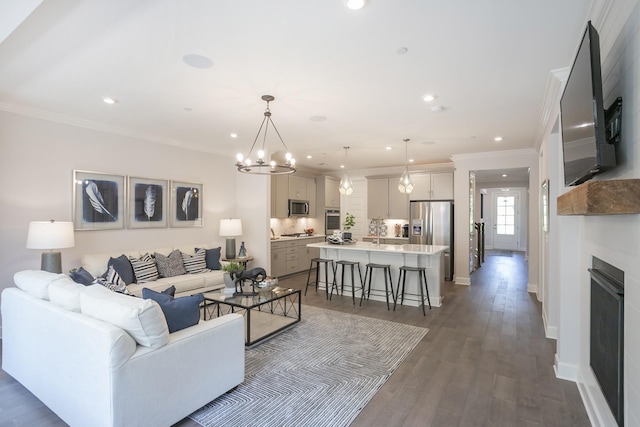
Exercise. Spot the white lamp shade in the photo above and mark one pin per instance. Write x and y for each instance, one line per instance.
(50, 235)
(230, 227)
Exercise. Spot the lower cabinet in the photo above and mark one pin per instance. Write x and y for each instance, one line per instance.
(292, 256)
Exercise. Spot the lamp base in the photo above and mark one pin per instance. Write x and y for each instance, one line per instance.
(51, 262)
(230, 252)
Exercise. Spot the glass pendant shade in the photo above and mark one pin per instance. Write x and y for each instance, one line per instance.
(406, 184)
(346, 185)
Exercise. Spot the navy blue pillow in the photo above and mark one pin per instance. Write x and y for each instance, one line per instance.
(180, 312)
(171, 291)
(123, 267)
(212, 259)
(82, 276)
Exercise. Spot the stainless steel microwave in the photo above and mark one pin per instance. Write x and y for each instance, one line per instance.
(298, 208)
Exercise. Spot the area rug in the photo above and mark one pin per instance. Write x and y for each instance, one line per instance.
(321, 372)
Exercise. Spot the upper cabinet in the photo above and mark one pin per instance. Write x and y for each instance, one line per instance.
(433, 186)
(328, 191)
(285, 187)
(384, 200)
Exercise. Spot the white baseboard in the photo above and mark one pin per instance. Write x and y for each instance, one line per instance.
(594, 401)
(463, 281)
(565, 371)
(550, 332)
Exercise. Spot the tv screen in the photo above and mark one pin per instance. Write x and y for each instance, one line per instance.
(584, 143)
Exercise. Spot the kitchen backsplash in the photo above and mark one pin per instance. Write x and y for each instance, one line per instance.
(388, 228)
(295, 225)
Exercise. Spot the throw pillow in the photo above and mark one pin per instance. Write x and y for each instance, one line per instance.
(180, 312)
(171, 291)
(82, 276)
(195, 263)
(212, 258)
(169, 266)
(123, 267)
(144, 268)
(112, 281)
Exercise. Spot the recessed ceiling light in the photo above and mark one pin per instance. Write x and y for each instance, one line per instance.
(387, 148)
(410, 160)
(188, 109)
(437, 109)
(402, 50)
(197, 61)
(309, 156)
(341, 166)
(355, 4)
(429, 98)
(497, 139)
(504, 175)
(110, 100)
(233, 135)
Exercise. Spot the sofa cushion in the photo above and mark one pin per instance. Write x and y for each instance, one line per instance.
(123, 267)
(195, 263)
(65, 293)
(142, 319)
(35, 282)
(144, 268)
(112, 281)
(180, 313)
(212, 258)
(82, 276)
(171, 265)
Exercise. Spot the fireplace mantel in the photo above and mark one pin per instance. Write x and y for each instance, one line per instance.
(613, 197)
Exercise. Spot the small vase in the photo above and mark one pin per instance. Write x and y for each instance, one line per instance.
(346, 235)
(229, 284)
(243, 251)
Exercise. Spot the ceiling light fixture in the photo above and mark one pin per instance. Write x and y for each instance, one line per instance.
(346, 186)
(355, 4)
(261, 167)
(429, 98)
(110, 100)
(406, 184)
(497, 139)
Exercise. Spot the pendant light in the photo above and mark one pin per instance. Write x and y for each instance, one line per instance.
(406, 184)
(346, 186)
(261, 166)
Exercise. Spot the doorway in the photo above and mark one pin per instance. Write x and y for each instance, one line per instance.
(506, 212)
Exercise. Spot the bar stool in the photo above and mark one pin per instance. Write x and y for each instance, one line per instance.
(345, 264)
(326, 262)
(386, 271)
(422, 277)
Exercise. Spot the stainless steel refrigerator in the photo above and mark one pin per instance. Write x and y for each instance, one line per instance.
(431, 223)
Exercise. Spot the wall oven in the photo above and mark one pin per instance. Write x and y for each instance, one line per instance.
(331, 221)
(298, 208)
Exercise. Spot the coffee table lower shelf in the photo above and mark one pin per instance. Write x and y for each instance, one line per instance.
(266, 314)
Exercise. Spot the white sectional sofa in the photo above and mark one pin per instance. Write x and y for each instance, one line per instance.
(100, 358)
(186, 284)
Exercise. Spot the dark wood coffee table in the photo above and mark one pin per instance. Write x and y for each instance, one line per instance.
(272, 310)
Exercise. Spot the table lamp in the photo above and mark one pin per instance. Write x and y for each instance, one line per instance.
(230, 228)
(50, 235)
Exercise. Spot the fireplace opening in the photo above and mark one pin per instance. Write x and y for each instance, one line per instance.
(607, 333)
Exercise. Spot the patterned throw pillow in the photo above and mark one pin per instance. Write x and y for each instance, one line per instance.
(195, 263)
(113, 281)
(123, 267)
(144, 268)
(169, 266)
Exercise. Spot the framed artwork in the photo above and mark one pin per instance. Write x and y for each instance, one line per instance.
(544, 205)
(148, 203)
(98, 201)
(186, 204)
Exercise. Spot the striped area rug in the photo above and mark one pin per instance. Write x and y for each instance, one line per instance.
(321, 372)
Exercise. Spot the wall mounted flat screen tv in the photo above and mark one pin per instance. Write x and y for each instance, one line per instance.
(586, 147)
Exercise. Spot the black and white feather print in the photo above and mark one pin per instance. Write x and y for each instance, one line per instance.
(100, 201)
(149, 204)
(187, 204)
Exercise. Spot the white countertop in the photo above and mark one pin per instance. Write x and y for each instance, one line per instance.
(372, 247)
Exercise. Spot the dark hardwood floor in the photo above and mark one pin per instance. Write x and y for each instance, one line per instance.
(484, 362)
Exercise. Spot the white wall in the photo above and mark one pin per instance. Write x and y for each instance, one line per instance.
(614, 239)
(37, 159)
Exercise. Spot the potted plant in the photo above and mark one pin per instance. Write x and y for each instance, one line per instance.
(229, 280)
(349, 221)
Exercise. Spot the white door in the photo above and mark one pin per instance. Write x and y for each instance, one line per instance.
(505, 220)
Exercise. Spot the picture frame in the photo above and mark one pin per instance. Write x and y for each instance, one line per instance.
(186, 204)
(98, 200)
(544, 205)
(148, 203)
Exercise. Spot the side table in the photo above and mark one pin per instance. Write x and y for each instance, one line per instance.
(241, 261)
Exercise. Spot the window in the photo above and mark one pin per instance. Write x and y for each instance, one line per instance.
(506, 214)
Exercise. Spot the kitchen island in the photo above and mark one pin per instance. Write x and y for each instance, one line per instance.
(429, 256)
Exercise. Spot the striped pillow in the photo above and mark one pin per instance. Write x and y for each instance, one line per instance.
(195, 263)
(144, 268)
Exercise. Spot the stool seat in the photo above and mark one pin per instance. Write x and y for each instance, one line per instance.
(388, 285)
(326, 263)
(344, 264)
(422, 279)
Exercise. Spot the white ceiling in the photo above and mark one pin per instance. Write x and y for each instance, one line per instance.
(487, 62)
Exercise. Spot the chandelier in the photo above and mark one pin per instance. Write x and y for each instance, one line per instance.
(260, 166)
(406, 184)
(346, 186)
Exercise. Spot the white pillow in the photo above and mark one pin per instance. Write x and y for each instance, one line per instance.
(142, 319)
(65, 293)
(35, 282)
